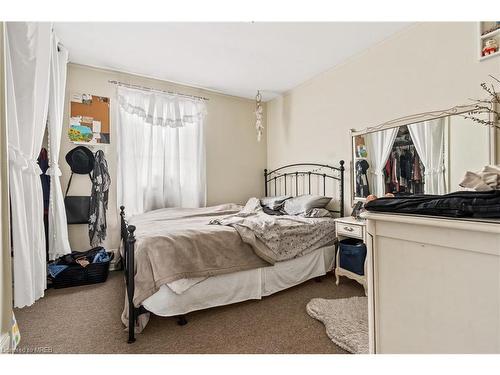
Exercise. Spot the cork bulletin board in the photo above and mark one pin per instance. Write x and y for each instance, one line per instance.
(89, 119)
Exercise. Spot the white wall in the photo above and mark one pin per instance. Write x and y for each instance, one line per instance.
(468, 149)
(235, 160)
(426, 67)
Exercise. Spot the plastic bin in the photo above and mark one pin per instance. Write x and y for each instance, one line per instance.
(352, 255)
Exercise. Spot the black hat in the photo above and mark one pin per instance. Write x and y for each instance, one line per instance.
(362, 165)
(81, 160)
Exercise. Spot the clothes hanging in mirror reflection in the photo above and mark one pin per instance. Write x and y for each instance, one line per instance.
(404, 172)
(362, 185)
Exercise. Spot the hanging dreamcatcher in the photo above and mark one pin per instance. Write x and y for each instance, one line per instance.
(259, 111)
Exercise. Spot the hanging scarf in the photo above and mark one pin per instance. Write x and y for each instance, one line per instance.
(99, 199)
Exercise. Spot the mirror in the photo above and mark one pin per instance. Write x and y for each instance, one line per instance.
(428, 155)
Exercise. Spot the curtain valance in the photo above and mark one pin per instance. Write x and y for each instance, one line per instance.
(161, 109)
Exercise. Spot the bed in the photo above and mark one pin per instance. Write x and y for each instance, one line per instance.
(242, 257)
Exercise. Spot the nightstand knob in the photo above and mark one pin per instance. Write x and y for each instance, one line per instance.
(349, 229)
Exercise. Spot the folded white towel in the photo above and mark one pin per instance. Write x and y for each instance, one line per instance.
(474, 181)
(486, 180)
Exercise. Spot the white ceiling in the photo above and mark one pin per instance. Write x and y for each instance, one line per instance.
(232, 58)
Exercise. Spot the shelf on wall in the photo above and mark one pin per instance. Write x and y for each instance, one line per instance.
(92, 145)
(493, 34)
(490, 55)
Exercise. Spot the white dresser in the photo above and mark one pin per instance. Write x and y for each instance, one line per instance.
(433, 284)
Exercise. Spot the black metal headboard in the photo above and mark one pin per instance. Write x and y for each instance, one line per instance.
(289, 181)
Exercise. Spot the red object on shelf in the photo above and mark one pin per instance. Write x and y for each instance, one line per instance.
(489, 51)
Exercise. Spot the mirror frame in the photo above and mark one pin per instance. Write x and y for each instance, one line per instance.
(411, 119)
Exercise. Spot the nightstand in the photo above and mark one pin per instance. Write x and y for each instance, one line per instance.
(349, 227)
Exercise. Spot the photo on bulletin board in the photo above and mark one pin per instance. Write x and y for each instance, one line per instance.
(89, 119)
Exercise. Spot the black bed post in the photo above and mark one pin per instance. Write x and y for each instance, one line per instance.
(123, 234)
(130, 283)
(342, 169)
(265, 182)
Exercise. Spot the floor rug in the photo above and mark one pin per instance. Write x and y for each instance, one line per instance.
(345, 319)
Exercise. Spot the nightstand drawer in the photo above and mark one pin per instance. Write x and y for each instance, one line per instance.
(349, 230)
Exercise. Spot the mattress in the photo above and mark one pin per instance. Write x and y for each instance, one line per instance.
(241, 286)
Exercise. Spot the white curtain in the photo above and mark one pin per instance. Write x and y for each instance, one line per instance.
(58, 228)
(28, 49)
(161, 151)
(379, 148)
(428, 137)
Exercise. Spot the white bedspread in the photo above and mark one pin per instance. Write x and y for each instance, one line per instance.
(241, 286)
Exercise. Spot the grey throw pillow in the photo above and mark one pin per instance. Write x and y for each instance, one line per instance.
(303, 203)
(274, 203)
(268, 211)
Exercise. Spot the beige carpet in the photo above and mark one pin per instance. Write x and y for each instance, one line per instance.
(87, 320)
(345, 319)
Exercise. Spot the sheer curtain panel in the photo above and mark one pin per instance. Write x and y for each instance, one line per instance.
(5, 259)
(428, 137)
(380, 145)
(28, 49)
(161, 151)
(58, 229)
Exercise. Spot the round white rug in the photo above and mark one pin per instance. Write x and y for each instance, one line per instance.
(345, 319)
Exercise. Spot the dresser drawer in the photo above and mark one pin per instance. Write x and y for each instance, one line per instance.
(349, 230)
